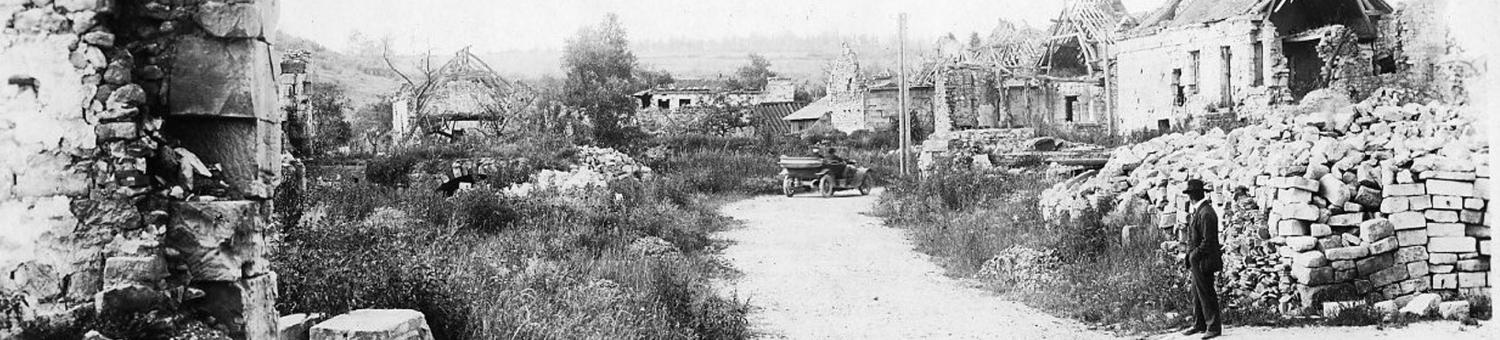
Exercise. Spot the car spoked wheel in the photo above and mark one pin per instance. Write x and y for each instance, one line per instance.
(788, 186)
(825, 185)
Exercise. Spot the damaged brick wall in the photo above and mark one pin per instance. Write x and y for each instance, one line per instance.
(98, 220)
(1150, 66)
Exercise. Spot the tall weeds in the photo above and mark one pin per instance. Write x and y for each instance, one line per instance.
(986, 225)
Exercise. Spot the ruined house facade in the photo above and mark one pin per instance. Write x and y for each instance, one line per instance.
(99, 97)
(1195, 61)
(856, 102)
(1055, 81)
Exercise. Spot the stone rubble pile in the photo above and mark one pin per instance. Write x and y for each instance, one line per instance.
(610, 162)
(1328, 201)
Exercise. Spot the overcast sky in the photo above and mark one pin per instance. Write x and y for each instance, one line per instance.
(491, 25)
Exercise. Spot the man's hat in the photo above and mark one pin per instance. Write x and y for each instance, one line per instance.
(1196, 185)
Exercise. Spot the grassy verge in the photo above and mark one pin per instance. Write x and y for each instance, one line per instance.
(987, 226)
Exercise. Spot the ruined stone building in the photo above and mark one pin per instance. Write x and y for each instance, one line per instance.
(464, 98)
(108, 110)
(1054, 81)
(855, 101)
(1204, 59)
(692, 93)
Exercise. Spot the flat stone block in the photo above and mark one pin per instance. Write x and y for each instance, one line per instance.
(1462, 176)
(1454, 310)
(1473, 203)
(1413, 189)
(374, 324)
(1390, 275)
(1347, 253)
(1419, 203)
(1450, 188)
(1447, 202)
(1474, 265)
(1413, 237)
(1442, 258)
(1370, 265)
(1410, 254)
(141, 270)
(1395, 204)
(1452, 244)
(1310, 259)
(1289, 227)
(1377, 229)
(1417, 269)
(1445, 229)
(1302, 243)
(1441, 216)
(1346, 220)
(1471, 216)
(1422, 305)
(1444, 281)
(1385, 245)
(1321, 230)
(1406, 220)
(247, 307)
(1478, 231)
(1471, 280)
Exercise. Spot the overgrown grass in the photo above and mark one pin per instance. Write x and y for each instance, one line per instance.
(485, 267)
(1081, 270)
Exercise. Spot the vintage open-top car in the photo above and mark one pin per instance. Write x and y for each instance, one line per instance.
(826, 177)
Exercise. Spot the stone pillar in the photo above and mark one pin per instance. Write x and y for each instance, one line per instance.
(942, 112)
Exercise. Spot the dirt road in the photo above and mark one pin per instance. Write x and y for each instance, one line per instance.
(819, 268)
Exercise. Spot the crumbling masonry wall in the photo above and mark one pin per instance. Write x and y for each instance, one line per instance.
(97, 93)
(1145, 76)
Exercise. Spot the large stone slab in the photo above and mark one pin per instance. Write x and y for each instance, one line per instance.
(1422, 305)
(224, 78)
(231, 20)
(374, 324)
(1407, 220)
(220, 241)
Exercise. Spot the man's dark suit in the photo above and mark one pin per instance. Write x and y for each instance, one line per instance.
(1204, 259)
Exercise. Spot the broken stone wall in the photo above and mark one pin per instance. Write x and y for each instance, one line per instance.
(884, 107)
(98, 95)
(1145, 78)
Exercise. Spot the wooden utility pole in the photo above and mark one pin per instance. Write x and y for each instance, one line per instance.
(905, 128)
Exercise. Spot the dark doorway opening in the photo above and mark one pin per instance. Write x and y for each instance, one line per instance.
(1305, 65)
(1070, 104)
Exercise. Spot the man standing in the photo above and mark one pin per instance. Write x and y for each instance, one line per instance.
(1203, 260)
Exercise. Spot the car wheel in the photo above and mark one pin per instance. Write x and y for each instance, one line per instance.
(825, 185)
(788, 186)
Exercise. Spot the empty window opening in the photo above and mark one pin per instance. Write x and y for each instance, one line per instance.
(1226, 87)
(1179, 93)
(1385, 64)
(1195, 69)
(1070, 104)
(1164, 125)
(684, 102)
(1259, 78)
(663, 103)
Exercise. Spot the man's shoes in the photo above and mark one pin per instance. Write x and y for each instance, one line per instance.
(1211, 335)
(1192, 331)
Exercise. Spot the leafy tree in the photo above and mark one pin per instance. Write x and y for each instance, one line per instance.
(754, 75)
(328, 129)
(600, 78)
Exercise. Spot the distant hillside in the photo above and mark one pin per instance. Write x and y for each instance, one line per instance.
(364, 80)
